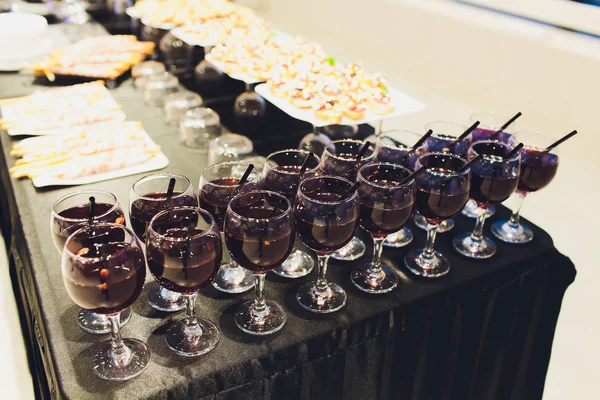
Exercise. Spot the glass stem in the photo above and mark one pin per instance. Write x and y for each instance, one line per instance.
(428, 251)
(477, 234)
(377, 250)
(190, 311)
(248, 88)
(514, 218)
(120, 352)
(379, 128)
(322, 261)
(259, 286)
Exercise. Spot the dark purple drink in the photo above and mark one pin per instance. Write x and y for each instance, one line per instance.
(69, 220)
(107, 277)
(381, 221)
(439, 206)
(320, 232)
(492, 180)
(283, 179)
(145, 208)
(481, 134)
(260, 254)
(341, 158)
(182, 265)
(537, 169)
(216, 195)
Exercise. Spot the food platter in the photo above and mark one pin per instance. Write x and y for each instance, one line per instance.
(403, 104)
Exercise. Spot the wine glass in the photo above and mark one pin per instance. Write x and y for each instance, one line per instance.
(72, 212)
(259, 233)
(141, 72)
(175, 54)
(341, 159)
(209, 79)
(281, 174)
(218, 185)
(538, 168)
(489, 123)
(149, 196)
(386, 204)
(104, 269)
(158, 87)
(444, 134)
(326, 218)
(183, 249)
(493, 180)
(198, 127)
(176, 105)
(338, 131)
(315, 142)
(392, 147)
(249, 110)
(442, 191)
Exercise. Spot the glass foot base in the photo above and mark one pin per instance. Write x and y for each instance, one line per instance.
(399, 239)
(191, 342)
(269, 322)
(322, 301)
(98, 324)
(369, 282)
(442, 227)
(164, 300)
(232, 278)
(510, 233)
(131, 364)
(466, 246)
(470, 209)
(297, 265)
(435, 267)
(354, 250)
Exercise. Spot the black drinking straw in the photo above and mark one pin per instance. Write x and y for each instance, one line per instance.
(350, 190)
(413, 175)
(91, 210)
(417, 144)
(169, 193)
(469, 164)
(243, 180)
(506, 125)
(362, 151)
(304, 166)
(514, 151)
(559, 141)
(463, 136)
(186, 250)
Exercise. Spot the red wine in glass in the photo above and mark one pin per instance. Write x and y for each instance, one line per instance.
(215, 196)
(69, 220)
(109, 276)
(145, 208)
(439, 206)
(259, 233)
(256, 254)
(202, 259)
(538, 168)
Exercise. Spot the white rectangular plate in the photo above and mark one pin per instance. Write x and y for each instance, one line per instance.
(159, 161)
(190, 39)
(244, 77)
(403, 104)
(107, 102)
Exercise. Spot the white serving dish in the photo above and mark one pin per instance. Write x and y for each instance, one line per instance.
(403, 104)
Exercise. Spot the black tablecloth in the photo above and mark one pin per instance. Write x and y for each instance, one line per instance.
(482, 332)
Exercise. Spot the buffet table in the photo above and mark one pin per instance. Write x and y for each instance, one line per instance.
(484, 331)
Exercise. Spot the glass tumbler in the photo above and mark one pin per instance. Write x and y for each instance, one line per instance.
(198, 127)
